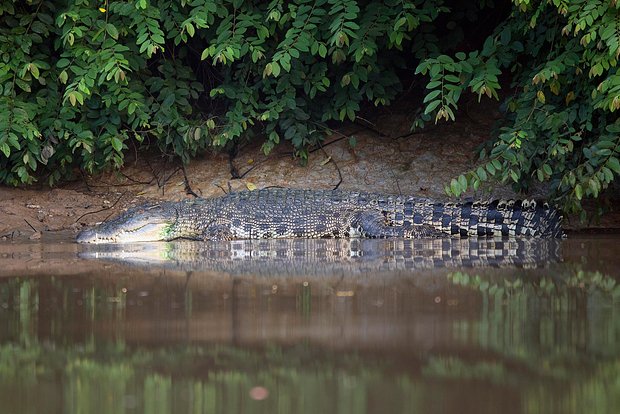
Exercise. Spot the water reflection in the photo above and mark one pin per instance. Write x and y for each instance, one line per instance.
(537, 331)
(330, 256)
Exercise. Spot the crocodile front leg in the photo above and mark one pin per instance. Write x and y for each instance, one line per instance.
(371, 224)
(217, 232)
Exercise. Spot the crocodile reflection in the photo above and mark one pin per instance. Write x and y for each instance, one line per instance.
(330, 256)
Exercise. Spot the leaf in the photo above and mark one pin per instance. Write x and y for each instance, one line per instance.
(268, 70)
(454, 187)
(514, 175)
(22, 173)
(250, 186)
(34, 70)
(63, 63)
(25, 86)
(578, 191)
(169, 100)
(609, 176)
(4, 147)
(13, 141)
(432, 95)
(286, 65)
(111, 30)
(432, 106)
(614, 164)
(190, 29)
(399, 23)
(117, 144)
(38, 27)
(490, 168)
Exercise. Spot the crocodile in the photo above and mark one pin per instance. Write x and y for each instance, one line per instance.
(293, 213)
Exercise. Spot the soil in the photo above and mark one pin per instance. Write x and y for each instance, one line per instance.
(386, 158)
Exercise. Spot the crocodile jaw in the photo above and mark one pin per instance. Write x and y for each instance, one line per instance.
(146, 233)
(142, 224)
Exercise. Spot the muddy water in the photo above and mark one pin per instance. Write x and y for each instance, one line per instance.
(311, 327)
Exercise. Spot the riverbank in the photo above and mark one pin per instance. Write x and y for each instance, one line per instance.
(378, 156)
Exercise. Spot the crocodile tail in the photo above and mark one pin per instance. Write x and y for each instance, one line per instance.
(551, 219)
(502, 217)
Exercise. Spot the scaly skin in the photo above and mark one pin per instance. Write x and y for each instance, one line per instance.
(288, 213)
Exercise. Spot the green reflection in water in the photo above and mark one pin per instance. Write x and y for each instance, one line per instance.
(558, 315)
(580, 354)
(109, 381)
(112, 382)
(540, 344)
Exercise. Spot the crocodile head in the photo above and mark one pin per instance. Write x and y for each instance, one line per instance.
(152, 222)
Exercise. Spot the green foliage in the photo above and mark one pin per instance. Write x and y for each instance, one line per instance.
(81, 81)
(561, 124)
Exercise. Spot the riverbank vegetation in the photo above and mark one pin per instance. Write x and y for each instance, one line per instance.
(82, 82)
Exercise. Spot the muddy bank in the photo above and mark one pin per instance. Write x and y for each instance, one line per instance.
(385, 157)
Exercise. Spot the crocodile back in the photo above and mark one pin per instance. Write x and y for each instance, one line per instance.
(282, 213)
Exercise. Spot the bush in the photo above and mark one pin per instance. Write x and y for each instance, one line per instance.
(561, 124)
(80, 79)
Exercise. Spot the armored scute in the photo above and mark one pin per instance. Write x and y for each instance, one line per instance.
(288, 213)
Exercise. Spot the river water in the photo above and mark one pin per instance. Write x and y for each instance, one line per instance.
(323, 326)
